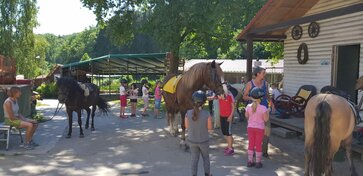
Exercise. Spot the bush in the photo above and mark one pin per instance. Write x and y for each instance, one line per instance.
(48, 90)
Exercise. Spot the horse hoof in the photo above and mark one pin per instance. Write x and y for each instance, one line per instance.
(93, 129)
(81, 135)
(68, 136)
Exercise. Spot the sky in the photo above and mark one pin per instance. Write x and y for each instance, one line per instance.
(63, 17)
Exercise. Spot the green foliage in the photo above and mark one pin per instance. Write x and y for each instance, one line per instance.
(276, 49)
(85, 57)
(17, 40)
(48, 90)
(198, 28)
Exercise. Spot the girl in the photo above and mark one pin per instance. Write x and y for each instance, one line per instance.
(133, 99)
(145, 96)
(123, 100)
(198, 123)
(13, 118)
(256, 115)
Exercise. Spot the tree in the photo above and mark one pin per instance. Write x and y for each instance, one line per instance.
(18, 18)
(210, 25)
(85, 57)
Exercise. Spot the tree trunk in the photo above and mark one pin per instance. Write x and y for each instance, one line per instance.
(174, 62)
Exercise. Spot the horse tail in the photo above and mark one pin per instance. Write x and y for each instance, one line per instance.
(321, 146)
(103, 105)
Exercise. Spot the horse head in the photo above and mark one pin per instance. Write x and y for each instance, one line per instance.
(67, 87)
(216, 80)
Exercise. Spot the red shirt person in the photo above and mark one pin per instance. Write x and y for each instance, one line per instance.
(226, 108)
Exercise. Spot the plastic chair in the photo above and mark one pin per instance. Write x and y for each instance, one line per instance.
(295, 105)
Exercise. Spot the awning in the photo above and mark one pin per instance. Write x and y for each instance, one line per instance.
(121, 64)
(265, 25)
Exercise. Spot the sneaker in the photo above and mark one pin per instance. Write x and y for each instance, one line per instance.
(28, 147)
(258, 165)
(250, 164)
(133, 115)
(34, 144)
(229, 152)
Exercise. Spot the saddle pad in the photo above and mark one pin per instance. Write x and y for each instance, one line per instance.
(170, 86)
(85, 89)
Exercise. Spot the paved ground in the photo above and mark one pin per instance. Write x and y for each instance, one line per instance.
(140, 146)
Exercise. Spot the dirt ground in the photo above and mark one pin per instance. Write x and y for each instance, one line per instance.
(142, 146)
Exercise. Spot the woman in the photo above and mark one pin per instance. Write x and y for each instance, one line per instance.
(13, 118)
(259, 81)
(133, 99)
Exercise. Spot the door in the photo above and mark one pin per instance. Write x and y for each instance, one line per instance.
(347, 69)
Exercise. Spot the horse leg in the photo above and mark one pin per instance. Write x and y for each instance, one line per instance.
(329, 167)
(81, 135)
(347, 144)
(93, 118)
(88, 110)
(171, 119)
(182, 142)
(70, 119)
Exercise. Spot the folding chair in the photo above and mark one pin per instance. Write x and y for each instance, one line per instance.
(295, 105)
(6, 130)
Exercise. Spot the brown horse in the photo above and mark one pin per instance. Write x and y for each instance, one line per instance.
(329, 123)
(201, 75)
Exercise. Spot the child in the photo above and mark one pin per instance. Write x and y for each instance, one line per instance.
(123, 96)
(145, 96)
(226, 110)
(198, 123)
(157, 99)
(133, 99)
(256, 115)
(275, 93)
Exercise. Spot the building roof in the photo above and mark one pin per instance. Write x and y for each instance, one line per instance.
(121, 64)
(239, 66)
(272, 13)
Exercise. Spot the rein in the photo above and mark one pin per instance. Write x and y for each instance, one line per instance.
(55, 113)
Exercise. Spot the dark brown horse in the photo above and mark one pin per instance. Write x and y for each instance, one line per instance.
(70, 93)
(201, 75)
(329, 123)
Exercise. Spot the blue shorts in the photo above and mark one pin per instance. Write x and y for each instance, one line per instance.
(157, 103)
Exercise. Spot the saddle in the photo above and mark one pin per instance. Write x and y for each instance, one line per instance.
(171, 84)
(85, 88)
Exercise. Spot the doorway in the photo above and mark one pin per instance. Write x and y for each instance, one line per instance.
(347, 69)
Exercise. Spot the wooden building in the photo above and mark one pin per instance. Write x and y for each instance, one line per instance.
(322, 41)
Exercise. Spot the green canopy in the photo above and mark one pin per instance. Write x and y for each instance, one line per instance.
(121, 64)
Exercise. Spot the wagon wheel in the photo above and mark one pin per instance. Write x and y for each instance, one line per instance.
(282, 105)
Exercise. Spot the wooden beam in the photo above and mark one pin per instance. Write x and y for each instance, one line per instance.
(321, 16)
(249, 56)
(268, 37)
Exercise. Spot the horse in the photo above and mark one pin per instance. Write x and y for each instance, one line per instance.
(329, 123)
(71, 93)
(200, 76)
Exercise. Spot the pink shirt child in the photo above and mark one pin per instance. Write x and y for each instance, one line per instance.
(157, 93)
(255, 119)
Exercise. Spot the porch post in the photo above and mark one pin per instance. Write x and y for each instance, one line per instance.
(249, 55)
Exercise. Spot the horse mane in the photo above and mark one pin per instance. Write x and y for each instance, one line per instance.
(68, 82)
(196, 72)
